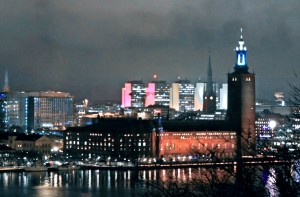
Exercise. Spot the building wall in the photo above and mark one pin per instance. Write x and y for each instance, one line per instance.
(150, 94)
(30, 110)
(186, 96)
(182, 96)
(118, 139)
(221, 143)
(42, 144)
(13, 110)
(241, 107)
(126, 97)
(138, 93)
(162, 93)
(50, 111)
(199, 90)
(174, 96)
(139, 142)
(223, 97)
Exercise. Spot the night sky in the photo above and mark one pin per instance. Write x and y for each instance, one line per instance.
(90, 48)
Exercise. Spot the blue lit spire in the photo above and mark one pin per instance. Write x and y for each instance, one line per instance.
(241, 55)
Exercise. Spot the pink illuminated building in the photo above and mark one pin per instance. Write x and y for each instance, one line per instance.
(150, 94)
(139, 94)
(133, 94)
(126, 97)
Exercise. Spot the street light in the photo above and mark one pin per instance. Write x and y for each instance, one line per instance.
(272, 125)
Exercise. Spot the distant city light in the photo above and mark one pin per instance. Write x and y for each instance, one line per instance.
(272, 124)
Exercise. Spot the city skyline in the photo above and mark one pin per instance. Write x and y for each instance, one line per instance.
(91, 49)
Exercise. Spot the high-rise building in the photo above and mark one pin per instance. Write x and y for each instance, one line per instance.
(13, 110)
(50, 109)
(182, 95)
(139, 94)
(33, 110)
(199, 92)
(241, 101)
(134, 94)
(157, 93)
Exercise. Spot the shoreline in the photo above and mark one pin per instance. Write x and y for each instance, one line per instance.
(138, 167)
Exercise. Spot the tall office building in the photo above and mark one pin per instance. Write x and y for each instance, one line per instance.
(199, 92)
(241, 101)
(13, 110)
(182, 95)
(50, 109)
(33, 110)
(134, 94)
(140, 94)
(157, 93)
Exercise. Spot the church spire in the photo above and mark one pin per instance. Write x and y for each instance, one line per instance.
(5, 86)
(241, 56)
(209, 98)
(209, 88)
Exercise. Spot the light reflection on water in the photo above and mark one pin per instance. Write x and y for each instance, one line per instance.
(84, 181)
(100, 182)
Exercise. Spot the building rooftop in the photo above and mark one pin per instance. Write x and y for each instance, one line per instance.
(134, 125)
(116, 125)
(24, 137)
(196, 125)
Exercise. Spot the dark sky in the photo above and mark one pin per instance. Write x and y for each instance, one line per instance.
(90, 48)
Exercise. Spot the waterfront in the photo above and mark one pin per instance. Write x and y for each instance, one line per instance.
(89, 182)
(84, 183)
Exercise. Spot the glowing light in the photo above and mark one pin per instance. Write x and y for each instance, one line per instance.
(55, 149)
(272, 124)
(241, 52)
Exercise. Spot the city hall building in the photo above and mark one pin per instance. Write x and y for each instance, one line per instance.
(126, 139)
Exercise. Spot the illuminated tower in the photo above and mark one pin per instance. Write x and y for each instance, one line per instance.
(241, 102)
(209, 97)
(5, 86)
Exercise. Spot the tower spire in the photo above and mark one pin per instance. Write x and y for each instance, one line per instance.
(241, 56)
(241, 33)
(209, 98)
(5, 86)
(209, 75)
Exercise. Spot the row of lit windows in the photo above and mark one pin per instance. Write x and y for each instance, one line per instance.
(104, 139)
(235, 79)
(218, 146)
(202, 134)
(107, 149)
(140, 143)
(202, 137)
